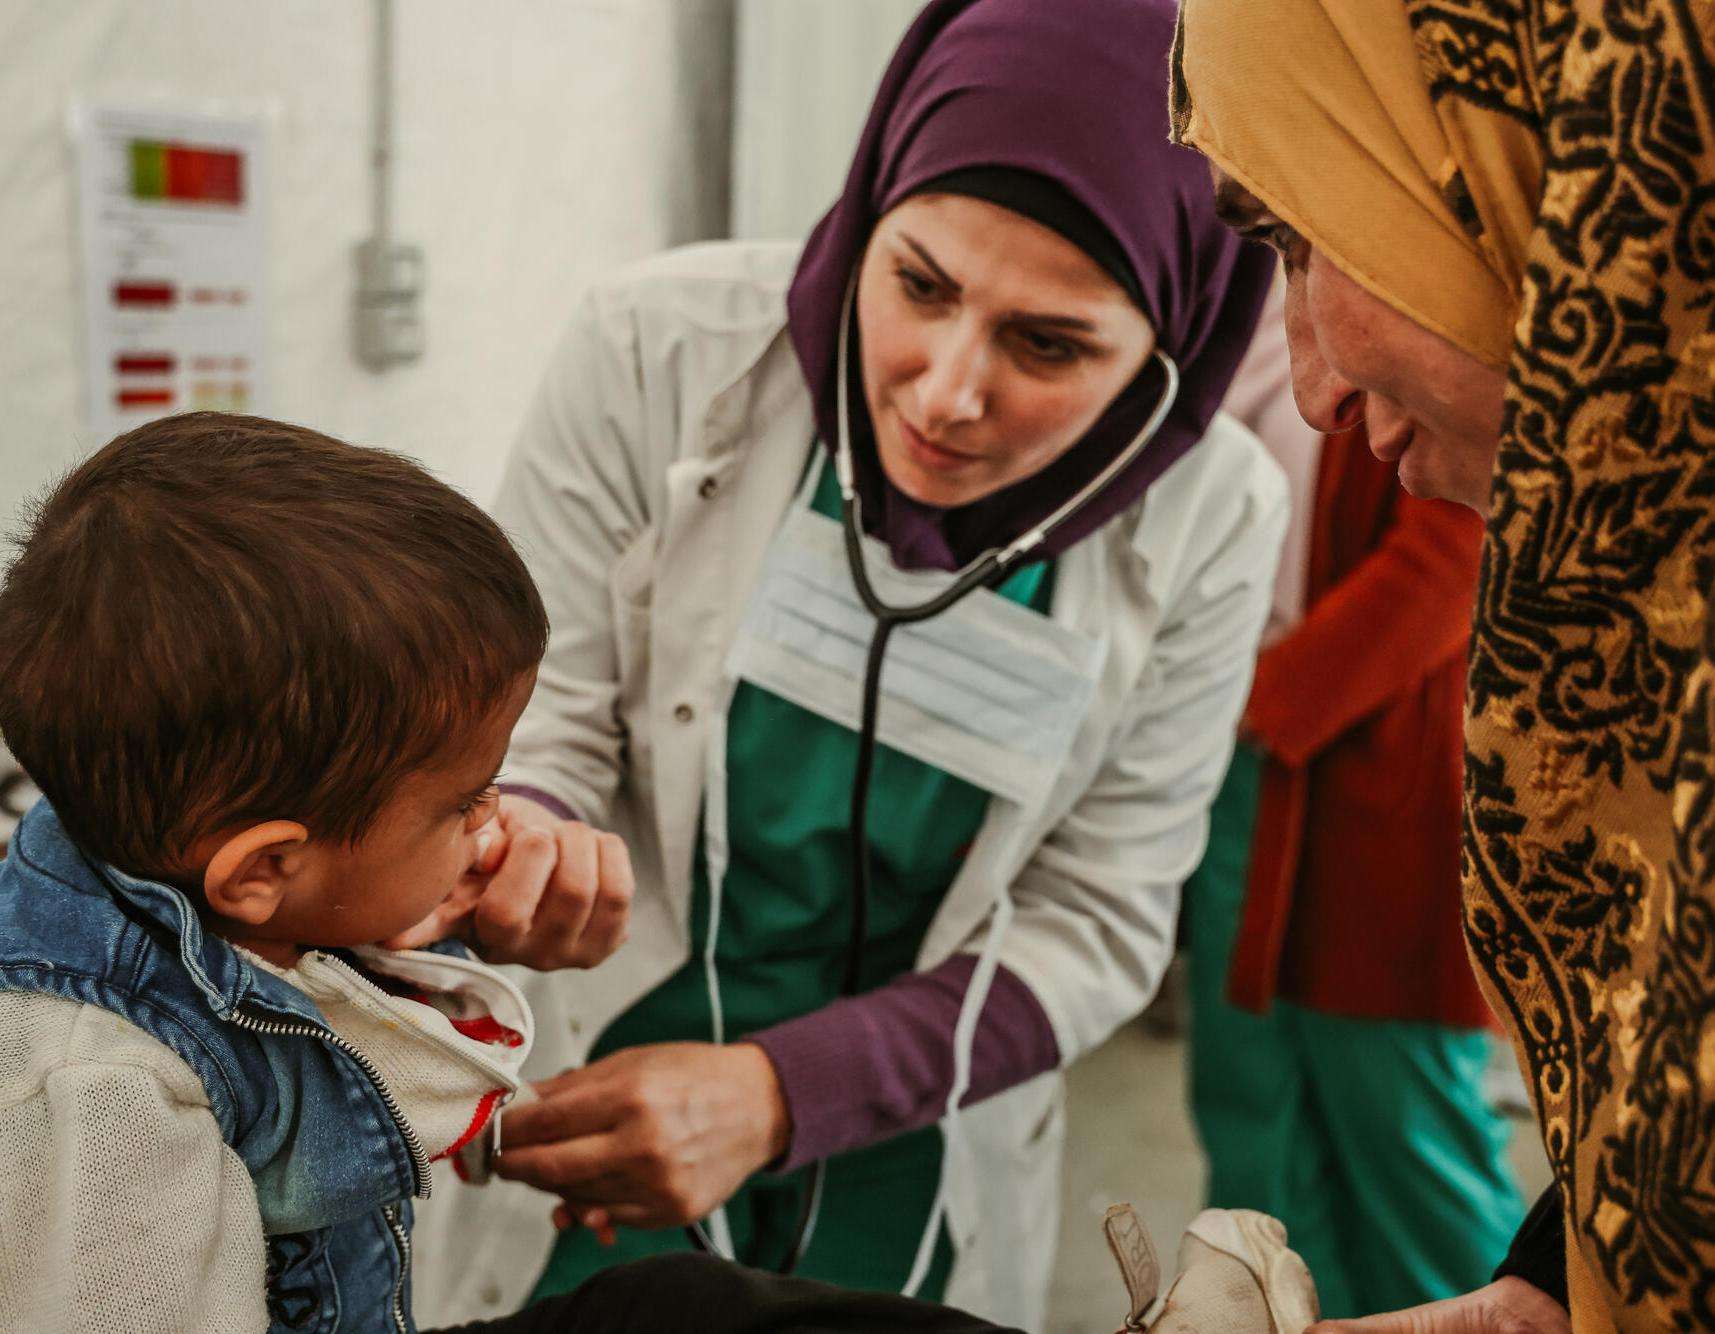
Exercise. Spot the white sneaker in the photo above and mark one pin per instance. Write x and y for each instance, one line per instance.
(1236, 1276)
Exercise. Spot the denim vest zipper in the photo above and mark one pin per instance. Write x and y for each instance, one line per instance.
(403, 1239)
(420, 1173)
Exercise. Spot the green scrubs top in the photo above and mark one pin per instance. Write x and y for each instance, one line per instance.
(785, 919)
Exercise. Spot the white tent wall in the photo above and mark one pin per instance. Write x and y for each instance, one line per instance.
(806, 71)
(537, 144)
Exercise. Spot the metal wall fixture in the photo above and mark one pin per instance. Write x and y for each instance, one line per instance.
(388, 317)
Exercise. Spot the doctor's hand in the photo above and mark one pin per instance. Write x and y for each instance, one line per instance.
(1506, 1306)
(649, 1137)
(547, 892)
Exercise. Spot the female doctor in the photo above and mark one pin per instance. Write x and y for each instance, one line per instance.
(1021, 300)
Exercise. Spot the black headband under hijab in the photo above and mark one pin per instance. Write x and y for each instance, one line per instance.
(1074, 91)
(1042, 200)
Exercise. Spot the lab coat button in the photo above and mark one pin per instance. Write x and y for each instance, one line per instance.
(684, 712)
(490, 1294)
(707, 487)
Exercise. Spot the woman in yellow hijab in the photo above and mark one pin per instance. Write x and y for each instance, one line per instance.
(1500, 220)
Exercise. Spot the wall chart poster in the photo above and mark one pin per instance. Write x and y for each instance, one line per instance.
(174, 262)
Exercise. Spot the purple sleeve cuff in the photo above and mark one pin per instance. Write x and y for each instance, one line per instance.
(867, 1068)
(541, 798)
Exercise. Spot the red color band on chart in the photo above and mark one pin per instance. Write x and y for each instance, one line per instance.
(144, 363)
(144, 294)
(145, 398)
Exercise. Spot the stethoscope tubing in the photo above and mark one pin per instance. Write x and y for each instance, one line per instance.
(988, 569)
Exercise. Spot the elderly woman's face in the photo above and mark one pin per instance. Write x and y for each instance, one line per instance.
(1428, 406)
(990, 344)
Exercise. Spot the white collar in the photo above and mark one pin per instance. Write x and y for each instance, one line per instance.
(451, 1059)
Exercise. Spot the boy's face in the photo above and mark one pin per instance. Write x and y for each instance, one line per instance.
(427, 842)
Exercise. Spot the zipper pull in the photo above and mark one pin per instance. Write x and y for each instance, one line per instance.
(474, 1163)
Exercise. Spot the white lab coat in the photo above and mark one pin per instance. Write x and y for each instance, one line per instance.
(662, 450)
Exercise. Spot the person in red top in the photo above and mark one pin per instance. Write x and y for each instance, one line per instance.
(1339, 1041)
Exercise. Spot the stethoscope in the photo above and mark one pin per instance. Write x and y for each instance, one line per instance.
(985, 571)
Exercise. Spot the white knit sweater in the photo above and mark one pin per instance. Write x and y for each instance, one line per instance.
(121, 1206)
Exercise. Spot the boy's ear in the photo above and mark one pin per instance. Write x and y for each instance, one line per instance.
(251, 871)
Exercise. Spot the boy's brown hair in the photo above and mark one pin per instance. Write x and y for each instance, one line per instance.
(219, 619)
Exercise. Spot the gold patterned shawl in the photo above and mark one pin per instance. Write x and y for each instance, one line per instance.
(1590, 756)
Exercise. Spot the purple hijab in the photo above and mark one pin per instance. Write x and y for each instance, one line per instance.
(1076, 91)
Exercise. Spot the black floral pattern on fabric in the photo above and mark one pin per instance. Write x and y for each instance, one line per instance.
(1590, 773)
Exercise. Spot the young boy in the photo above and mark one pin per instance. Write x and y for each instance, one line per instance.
(265, 681)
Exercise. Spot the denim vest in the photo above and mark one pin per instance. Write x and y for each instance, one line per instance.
(333, 1163)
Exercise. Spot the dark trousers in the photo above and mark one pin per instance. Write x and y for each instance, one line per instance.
(699, 1294)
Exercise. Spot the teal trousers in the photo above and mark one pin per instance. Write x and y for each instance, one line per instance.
(1372, 1140)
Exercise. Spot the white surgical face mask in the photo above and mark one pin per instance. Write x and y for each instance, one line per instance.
(989, 691)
